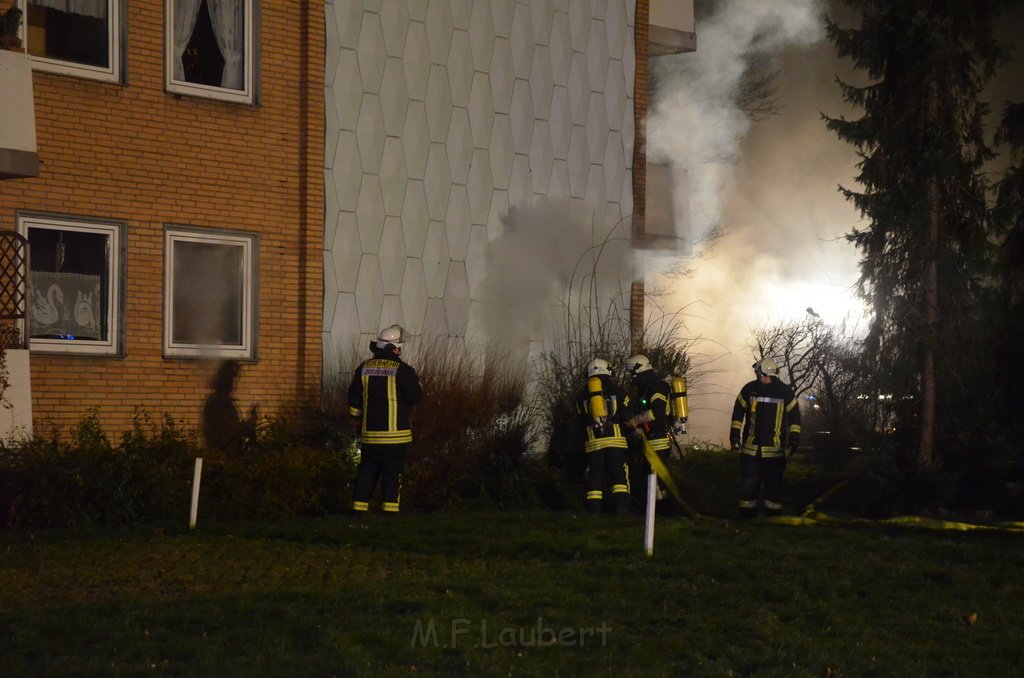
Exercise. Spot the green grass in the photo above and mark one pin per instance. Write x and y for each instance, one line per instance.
(536, 593)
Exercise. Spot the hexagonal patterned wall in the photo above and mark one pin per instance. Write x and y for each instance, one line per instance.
(478, 167)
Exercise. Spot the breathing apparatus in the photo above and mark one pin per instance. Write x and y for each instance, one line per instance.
(598, 407)
(680, 408)
(595, 392)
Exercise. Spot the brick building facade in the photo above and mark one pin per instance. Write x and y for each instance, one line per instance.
(354, 164)
(162, 181)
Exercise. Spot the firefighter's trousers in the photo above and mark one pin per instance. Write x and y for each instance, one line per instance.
(607, 467)
(383, 462)
(755, 471)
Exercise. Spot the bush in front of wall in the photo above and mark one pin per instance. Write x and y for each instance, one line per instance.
(86, 480)
(473, 437)
(89, 481)
(473, 433)
(279, 472)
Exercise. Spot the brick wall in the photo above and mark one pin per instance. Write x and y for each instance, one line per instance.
(134, 153)
(640, 100)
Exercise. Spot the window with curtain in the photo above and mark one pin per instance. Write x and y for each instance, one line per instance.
(210, 49)
(209, 293)
(76, 284)
(74, 37)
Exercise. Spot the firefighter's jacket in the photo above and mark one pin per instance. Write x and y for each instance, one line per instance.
(381, 395)
(616, 403)
(766, 414)
(652, 395)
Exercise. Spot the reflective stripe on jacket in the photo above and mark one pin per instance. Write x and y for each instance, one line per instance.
(653, 394)
(382, 394)
(617, 404)
(766, 414)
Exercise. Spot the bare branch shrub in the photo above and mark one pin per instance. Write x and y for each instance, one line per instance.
(598, 326)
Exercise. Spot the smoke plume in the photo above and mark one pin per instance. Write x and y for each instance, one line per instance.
(770, 186)
(540, 263)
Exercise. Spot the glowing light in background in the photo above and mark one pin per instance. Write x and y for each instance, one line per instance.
(770, 185)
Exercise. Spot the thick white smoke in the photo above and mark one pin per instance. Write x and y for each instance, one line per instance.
(770, 185)
(540, 262)
(696, 124)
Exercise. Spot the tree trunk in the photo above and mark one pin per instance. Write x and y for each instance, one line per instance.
(926, 443)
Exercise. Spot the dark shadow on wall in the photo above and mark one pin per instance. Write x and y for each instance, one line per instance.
(223, 426)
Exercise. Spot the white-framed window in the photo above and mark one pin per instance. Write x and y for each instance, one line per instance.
(76, 284)
(210, 49)
(82, 38)
(210, 300)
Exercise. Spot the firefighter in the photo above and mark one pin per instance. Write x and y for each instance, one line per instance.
(653, 413)
(765, 421)
(383, 391)
(603, 406)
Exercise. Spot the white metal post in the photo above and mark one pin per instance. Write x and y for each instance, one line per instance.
(652, 489)
(196, 477)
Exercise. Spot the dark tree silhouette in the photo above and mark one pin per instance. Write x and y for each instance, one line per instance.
(922, 148)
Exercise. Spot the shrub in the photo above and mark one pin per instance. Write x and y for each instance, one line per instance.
(280, 472)
(472, 432)
(563, 378)
(147, 478)
(47, 482)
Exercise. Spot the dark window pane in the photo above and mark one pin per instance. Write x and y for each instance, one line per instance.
(203, 61)
(67, 35)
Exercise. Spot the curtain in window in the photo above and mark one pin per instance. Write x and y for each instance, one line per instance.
(185, 13)
(228, 19)
(93, 8)
(66, 305)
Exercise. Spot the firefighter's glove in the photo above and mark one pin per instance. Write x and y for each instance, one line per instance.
(356, 426)
(639, 420)
(734, 441)
(794, 444)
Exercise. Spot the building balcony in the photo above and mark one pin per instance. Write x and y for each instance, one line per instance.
(671, 27)
(667, 218)
(18, 152)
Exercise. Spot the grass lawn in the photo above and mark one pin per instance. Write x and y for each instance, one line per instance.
(536, 593)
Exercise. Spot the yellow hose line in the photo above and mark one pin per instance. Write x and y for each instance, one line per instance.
(810, 507)
(819, 518)
(660, 469)
(811, 516)
(792, 520)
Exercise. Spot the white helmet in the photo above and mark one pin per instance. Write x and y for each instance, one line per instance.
(638, 363)
(766, 367)
(393, 335)
(598, 366)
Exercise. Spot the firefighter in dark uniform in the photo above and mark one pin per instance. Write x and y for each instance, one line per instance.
(603, 406)
(765, 421)
(653, 413)
(380, 399)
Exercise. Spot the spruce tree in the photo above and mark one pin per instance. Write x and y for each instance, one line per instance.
(922, 147)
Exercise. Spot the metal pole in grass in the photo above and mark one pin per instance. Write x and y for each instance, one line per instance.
(652, 488)
(196, 477)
